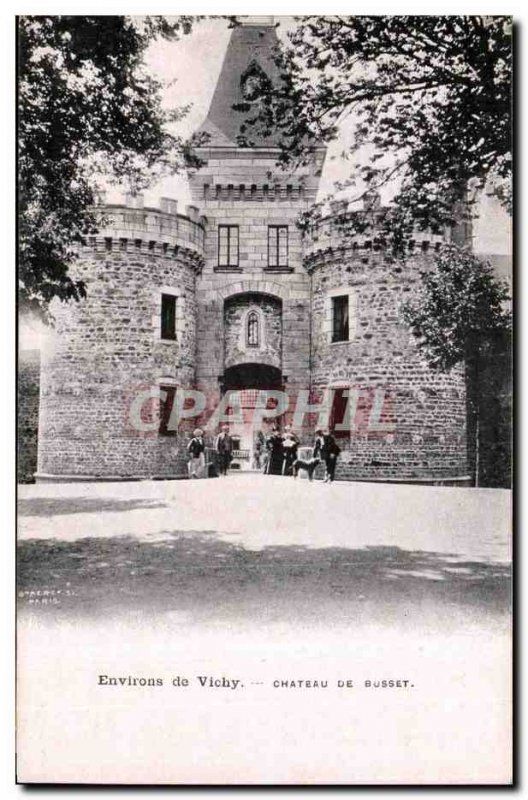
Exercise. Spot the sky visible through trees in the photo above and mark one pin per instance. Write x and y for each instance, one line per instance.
(201, 55)
(189, 69)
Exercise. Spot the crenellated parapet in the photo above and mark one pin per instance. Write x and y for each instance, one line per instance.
(358, 234)
(253, 192)
(133, 228)
(253, 177)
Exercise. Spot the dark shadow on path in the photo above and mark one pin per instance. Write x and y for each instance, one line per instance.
(51, 506)
(207, 579)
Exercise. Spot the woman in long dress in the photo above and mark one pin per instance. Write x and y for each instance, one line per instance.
(290, 446)
(275, 452)
(196, 451)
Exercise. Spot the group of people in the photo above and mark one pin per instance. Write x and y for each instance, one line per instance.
(282, 451)
(196, 451)
(275, 455)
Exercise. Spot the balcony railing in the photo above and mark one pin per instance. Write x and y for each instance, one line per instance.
(242, 454)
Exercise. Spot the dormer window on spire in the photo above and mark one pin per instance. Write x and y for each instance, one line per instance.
(254, 81)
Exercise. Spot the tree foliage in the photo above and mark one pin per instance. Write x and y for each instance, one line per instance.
(460, 303)
(429, 99)
(87, 107)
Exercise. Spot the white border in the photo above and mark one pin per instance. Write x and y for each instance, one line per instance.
(7, 315)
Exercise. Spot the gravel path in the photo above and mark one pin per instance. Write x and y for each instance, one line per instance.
(252, 547)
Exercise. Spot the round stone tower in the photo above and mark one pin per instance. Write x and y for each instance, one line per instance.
(114, 360)
(396, 418)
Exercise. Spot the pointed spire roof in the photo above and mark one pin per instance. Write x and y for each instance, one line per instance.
(249, 53)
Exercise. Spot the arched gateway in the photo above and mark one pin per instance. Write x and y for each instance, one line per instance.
(252, 364)
(243, 377)
(250, 386)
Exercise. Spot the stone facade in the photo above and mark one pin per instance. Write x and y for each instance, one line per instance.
(245, 197)
(264, 314)
(105, 350)
(407, 421)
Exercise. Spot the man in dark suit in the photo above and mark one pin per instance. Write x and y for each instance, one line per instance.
(224, 449)
(327, 449)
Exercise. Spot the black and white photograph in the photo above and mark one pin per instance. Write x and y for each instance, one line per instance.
(264, 400)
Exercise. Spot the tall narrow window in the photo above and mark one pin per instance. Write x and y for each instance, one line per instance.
(168, 316)
(167, 394)
(228, 245)
(340, 321)
(277, 245)
(253, 329)
(337, 414)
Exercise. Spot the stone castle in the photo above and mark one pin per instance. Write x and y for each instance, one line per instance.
(230, 296)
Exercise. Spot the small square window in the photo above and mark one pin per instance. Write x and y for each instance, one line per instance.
(168, 316)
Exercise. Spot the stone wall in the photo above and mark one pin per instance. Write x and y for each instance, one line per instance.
(409, 422)
(27, 414)
(107, 349)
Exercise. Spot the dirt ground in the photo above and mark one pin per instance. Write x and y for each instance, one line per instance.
(246, 548)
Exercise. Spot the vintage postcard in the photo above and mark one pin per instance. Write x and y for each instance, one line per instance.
(264, 400)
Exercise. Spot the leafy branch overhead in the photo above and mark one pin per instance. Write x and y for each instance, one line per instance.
(459, 304)
(87, 108)
(428, 100)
